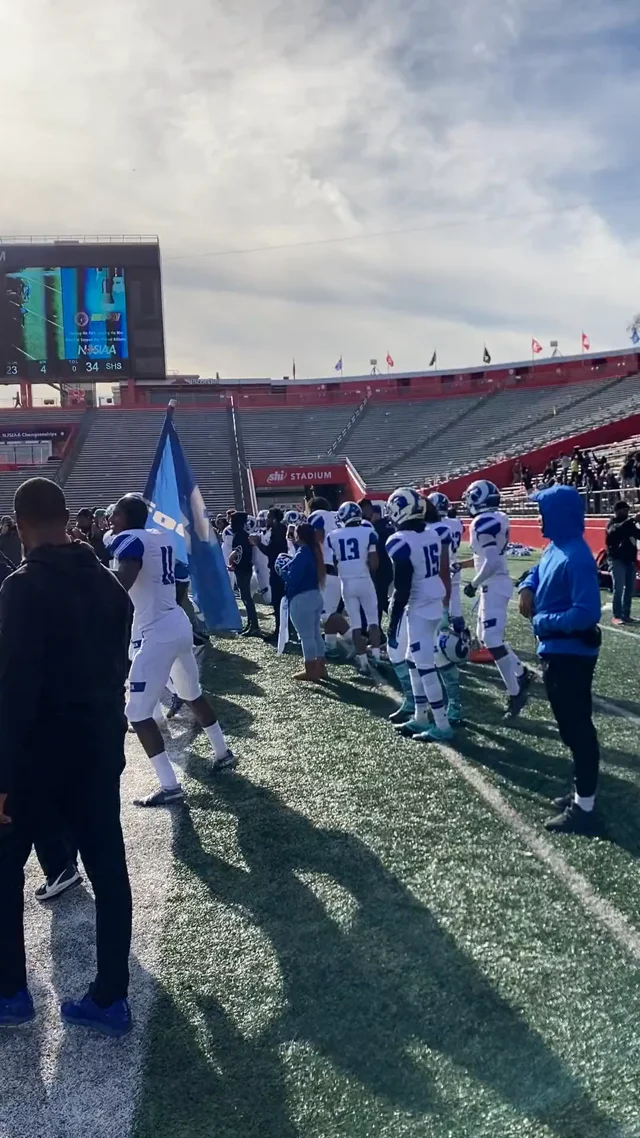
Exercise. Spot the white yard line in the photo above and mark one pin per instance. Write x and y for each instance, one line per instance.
(602, 911)
(68, 1083)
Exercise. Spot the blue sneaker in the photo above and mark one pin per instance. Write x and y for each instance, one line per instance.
(114, 1020)
(406, 711)
(16, 1010)
(435, 734)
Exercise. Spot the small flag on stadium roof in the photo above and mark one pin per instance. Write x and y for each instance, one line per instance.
(486, 355)
(338, 366)
(536, 346)
(434, 359)
(293, 369)
(176, 504)
(586, 344)
(390, 362)
(635, 336)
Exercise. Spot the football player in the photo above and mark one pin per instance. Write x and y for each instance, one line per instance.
(323, 521)
(145, 562)
(455, 529)
(354, 549)
(421, 586)
(489, 536)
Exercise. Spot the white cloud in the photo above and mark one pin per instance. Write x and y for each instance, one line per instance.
(490, 131)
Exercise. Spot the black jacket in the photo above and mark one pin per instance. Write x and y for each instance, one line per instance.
(64, 629)
(277, 544)
(622, 540)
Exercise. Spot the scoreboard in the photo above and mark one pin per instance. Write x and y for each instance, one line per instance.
(80, 310)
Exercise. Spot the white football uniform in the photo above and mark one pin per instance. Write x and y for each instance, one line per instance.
(451, 530)
(162, 636)
(489, 536)
(351, 547)
(424, 608)
(325, 520)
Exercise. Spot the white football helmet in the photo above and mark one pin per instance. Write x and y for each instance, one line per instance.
(406, 505)
(349, 512)
(480, 496)
(454, 646)
(441, 502)
(293, 518)
(251, 524)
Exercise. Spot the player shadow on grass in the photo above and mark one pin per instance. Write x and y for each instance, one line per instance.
(364, 992)
(544, 776)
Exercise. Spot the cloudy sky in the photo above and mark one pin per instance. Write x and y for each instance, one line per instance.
(336, 177)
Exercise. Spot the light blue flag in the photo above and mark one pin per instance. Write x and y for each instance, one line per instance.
(176, 504)
(635, 336)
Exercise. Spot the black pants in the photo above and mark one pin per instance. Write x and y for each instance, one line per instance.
(276, 585)
(243, 577)
(568, 681)
(86, 803)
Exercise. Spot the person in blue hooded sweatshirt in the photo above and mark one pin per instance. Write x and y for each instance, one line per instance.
(561, 596)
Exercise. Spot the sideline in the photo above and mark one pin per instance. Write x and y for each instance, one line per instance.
(606, 914)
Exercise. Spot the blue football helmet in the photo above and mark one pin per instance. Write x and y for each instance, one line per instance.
(281, 562)
(441, 502)
(349, 512)
(480, 496)
(406, 505)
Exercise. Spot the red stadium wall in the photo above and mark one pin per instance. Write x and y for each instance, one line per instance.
(502, 472)
(527, 531)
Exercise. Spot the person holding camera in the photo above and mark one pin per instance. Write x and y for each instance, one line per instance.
(561, 596)
(623, 532)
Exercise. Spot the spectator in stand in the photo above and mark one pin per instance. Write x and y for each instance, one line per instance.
(565, 463)
(517, 472)
(628, 471)
(574, 467)
(10, 544)
(594, 486)
(527, 479)
(548, 478)
(585, 463)
(622, 546)
(611, 482)
(273, 544)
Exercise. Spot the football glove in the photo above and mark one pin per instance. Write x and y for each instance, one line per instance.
(470, 590)
(444, 620)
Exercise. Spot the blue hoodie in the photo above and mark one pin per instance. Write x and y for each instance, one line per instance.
(565, 583)
(301, 574)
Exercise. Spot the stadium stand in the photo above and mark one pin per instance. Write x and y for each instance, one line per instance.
(389, 440)
(118, 452)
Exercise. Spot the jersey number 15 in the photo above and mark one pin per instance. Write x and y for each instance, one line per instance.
(432, 560)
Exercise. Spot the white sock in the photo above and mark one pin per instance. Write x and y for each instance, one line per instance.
(375, 652)
(331, 640)
(507, 668)
(217, 740)
(362, 660)
(164, 771)
(347, 636)
(586, 804)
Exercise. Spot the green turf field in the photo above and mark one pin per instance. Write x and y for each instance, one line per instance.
(359, 943)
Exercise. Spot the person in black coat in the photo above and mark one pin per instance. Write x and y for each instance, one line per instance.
(241, 563)
(622, 536)
(64, 630)
(272, 547)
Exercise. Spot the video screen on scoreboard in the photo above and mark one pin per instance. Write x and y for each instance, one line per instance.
(60, 322)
